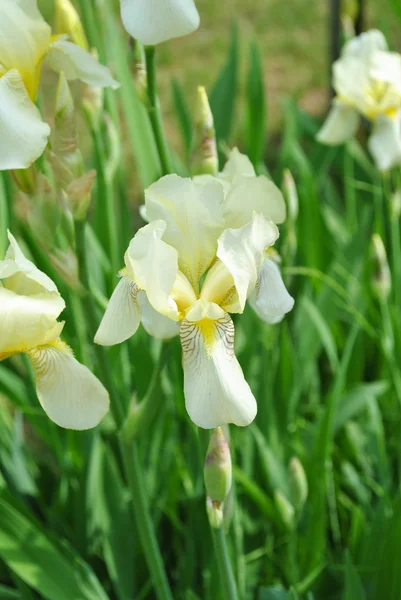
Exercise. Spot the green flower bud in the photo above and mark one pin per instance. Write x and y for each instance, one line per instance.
(381, 280)
(396, 205)
(67, 21)
(204, 159)
(298, 484)
(218, 470)
(291, 195)
(285, 509)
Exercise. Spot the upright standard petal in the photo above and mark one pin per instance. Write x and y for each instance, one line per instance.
(270, 299)
(385, 141)
(21, 275)
(122, 316)
(242, 252)
(155, 21)
(237, 164)
(77, 63)
(340, 125)
(23, 134)
(28, 321)
(249, 194)
(153, 265)
(215, 389)
(69, 393)
(157, 325)
(194, 220)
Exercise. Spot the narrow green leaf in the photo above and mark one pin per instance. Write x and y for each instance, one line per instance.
(183, 114)
(255, 125)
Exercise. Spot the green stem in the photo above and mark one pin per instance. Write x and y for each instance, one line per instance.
(154, 109)
(224, 564)
(132, 466)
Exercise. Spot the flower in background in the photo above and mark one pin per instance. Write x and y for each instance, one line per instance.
(199, 259)
(154, 21)
(367, 82)
(30, 304)
(25, 42)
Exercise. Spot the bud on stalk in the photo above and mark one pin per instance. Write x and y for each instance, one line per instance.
(218, 476)
(381, 281)
(298, 484)
(204, 159)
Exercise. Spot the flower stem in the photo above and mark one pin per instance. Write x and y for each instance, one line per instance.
(154, 109)
(224, 564)
(132, 467)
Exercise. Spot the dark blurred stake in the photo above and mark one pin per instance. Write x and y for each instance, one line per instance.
(335, 33)
(359, 23)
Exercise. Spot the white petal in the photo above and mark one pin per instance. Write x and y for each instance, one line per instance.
(21, 274)
(24, 38)
(155, 21)
(23, 134)
(340, 125)
(215, 389)
(69, 393)
(385, 141)
(28, 321)
(77, 63)
(270, 299)
(365, 44)
(193, 214)
(156, 325)
(249, 194)
(122, 316)
(242, 252)
(153, 265)
(237, 164)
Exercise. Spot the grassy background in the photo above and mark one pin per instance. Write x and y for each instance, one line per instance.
(327, 379)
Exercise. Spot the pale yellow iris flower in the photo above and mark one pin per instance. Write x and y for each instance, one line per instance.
(29, 307)
(25, 42)
(367, 82)
(202, 255)
(155, 21)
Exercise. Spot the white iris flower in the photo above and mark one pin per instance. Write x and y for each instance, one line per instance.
(155, 21)
(29, 307)
(367, 81)
(200, 258)
(25, 42)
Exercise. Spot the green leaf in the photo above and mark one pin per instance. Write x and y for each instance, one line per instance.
(255, 129)
(323, 331)
(183, 114)
(29, 553)
(274, 593)
(353, 585)
(223, 95)
(356, 400)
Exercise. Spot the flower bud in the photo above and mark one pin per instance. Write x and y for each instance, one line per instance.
(215, 513)
(298, 484)
(381, 280)
(396, 205)
(291, 195)
(218, 470)
(204, 159)
(79, 193)
(285, 509)
(67, 21)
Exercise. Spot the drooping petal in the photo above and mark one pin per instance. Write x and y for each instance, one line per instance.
(242, 252)
(155, 324)
(21, 275)
(122, 316)
(69, 393)
(340, 125)
(77, 63)
(153, 265)
(193, 214)
(28, 321)
(23, 134)
(155, 21)
(215, 389)
(249, 194)
(270, 299)
(385, 141)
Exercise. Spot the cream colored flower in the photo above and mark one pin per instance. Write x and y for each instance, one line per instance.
(155, 21)
(25, 42)
(367, 82)
(194, 269)
(29, 307)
